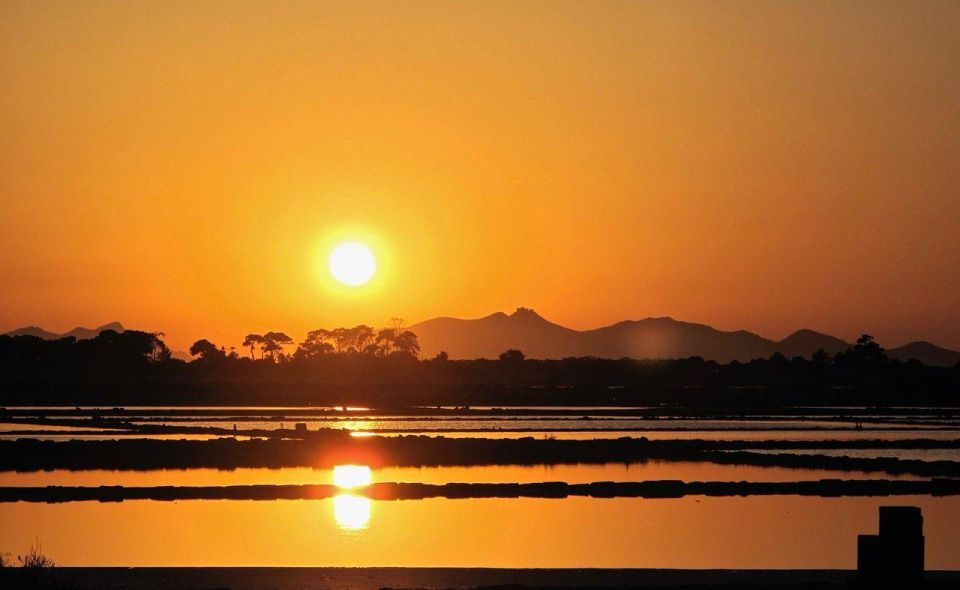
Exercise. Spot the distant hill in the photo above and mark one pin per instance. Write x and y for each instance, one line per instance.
(36, 331)
(662, 338)
(650, 338)
(926, 353)
(489, 336)
(806, 342)
(79, 333)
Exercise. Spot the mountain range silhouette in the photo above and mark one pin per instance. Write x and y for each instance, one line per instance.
(80, 333)
(650, 338)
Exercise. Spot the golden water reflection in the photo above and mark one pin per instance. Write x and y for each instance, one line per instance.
(352, 512)
(349, 477)
(753, 532)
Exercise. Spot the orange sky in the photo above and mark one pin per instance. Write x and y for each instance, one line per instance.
(178, 166)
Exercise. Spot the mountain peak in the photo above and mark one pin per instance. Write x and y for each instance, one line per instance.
(662, 319)
(805, 342)
(805, 333)
(525, 313)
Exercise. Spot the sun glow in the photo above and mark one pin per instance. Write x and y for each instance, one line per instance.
(351, 512)
(352, 263)
(349, 477)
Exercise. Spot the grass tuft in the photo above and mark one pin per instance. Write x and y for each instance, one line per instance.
(34, 558)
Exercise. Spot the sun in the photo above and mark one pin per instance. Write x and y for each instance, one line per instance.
(352, 263)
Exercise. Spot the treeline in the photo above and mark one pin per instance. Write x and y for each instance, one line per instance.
(274, 346)
(383, 367)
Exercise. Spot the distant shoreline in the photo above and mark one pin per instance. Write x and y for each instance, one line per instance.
(337, 447)
(135, 367)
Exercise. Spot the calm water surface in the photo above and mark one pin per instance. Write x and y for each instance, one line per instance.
(409, 424)
(122, 436)
(351, 530)
(917, 454)
(693, 532)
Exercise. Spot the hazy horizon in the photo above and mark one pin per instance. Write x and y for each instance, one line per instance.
(181, 343)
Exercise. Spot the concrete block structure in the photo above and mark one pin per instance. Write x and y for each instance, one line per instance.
(894, 557)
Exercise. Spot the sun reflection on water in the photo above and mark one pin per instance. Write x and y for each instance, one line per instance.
(352, 512)
(349, 477)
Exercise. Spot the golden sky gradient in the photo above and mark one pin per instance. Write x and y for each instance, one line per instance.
(181, 166)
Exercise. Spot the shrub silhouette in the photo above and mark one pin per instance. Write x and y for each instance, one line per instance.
(34, 559)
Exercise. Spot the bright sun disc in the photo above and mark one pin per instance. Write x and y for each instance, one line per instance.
(352, 263)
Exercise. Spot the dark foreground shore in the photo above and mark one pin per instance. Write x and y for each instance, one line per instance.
(373, 578)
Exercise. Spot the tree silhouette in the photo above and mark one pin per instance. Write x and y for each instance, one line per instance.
(363, 339)
(406, 342)
(316, 343)
(868, 349)
(341, 339)
(392, 340)
(821, 357)
(360, 339)
(864, 354)
(207, 350)
(253, 340)
(273, 343)
(395, 339)
(134, 346)
(386, 341)
(861, 374)
(512, 356)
